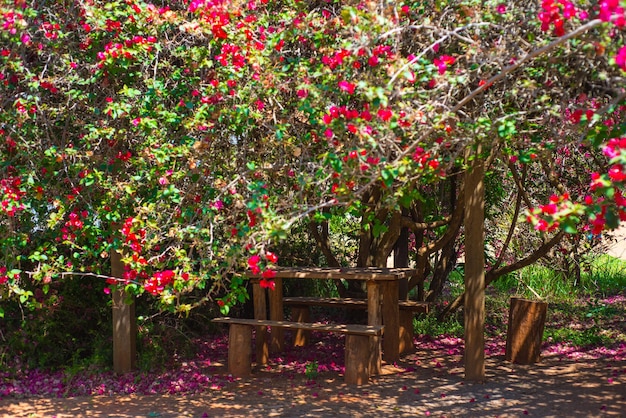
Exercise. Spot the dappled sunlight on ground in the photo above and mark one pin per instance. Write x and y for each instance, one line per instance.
(429, 381)
(568, 381)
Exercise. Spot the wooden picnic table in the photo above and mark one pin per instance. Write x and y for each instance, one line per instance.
(382, 302)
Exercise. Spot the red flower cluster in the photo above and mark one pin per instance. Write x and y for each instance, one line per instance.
(115, 50)
(614, 149)
(620, 58)
(11, 195)
(133, 238)
(267, 274)
(233, 52)
(73, 225)
(336, 59)
(611, 10)
(555, 13)
(157, 283)
(425, 159)
(4, 277)
(442, 63)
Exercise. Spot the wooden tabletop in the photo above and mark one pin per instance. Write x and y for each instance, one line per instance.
(348, 273)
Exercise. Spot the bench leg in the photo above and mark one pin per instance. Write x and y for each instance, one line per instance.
(301, 314)
(406, 331)
(260, 312)
(277, 335)
(240, 350)
(359, 357)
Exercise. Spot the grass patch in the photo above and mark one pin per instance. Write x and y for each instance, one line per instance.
(430, 325)
(578, 313)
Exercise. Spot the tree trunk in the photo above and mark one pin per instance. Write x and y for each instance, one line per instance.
(474, 314)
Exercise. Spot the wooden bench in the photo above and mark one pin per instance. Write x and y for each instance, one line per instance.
(362, 353)
(300, 312)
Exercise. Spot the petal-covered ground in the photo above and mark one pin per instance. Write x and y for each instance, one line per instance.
(569, 381)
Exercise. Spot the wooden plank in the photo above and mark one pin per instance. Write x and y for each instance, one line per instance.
(319, 327)
(364, 273)
(391, 319)
(346, 302)
(124, 323)
(474, 306)
(260, 313)
(240, 350)
(277, 336)
(356, 303)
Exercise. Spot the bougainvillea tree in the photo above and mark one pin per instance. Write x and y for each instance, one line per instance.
(190, 135)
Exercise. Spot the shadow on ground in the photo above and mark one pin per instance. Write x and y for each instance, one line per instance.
(424, 383)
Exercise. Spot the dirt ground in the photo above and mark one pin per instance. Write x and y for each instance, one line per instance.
(423, 384)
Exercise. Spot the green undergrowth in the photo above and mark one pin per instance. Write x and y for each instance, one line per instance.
(588, 313)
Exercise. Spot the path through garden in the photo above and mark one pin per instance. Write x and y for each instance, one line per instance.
(429, 382)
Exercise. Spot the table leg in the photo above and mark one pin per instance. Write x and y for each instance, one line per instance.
(277, 336)
(374, 317)
(391, 319)
(260, 312)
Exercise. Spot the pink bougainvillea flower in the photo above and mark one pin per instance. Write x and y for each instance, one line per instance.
(253, 260)
(385, 114)
(267, 284)
(443, 62)
(347, 86)
(271, 257)
(269, 274)
(620, 58)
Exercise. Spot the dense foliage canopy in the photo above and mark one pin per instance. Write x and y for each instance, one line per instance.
(192, 135)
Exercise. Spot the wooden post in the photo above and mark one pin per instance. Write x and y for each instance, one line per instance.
(391, 316)
(527, 319)
(401, 257)
(260, 312)
(240, 350)
(474, 306)
(406, 331)
(124, 323)
(277, 335)
(357, 359)
(374, 317)
(301, 314)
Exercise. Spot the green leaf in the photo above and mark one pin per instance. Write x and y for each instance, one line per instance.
(378, 229)
(507, 129)
(224, 309)
(569, 227)
(388, 176)
(612, 220)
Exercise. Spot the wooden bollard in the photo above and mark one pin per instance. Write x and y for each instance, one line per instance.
(124, 323)
(527, 320)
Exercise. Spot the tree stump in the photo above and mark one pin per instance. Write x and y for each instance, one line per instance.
(527, 319)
